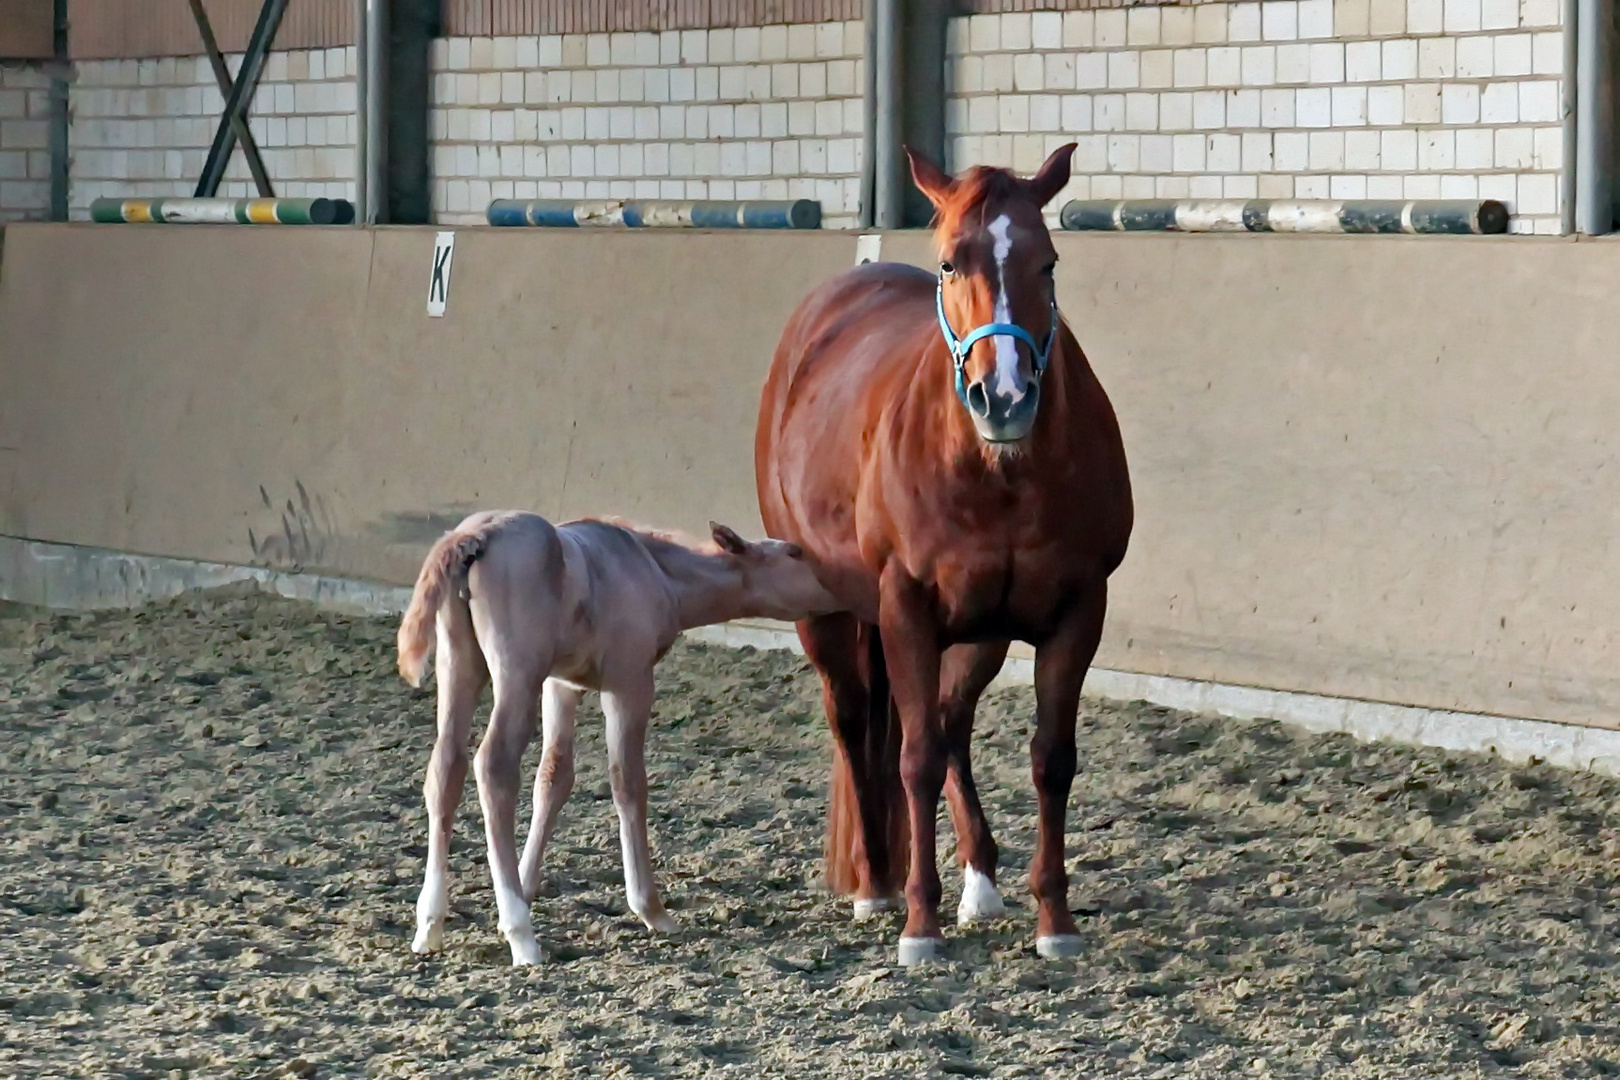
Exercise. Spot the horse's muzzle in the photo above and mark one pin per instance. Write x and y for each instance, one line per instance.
(1000, 418)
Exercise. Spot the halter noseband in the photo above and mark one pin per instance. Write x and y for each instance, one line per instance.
(960, 347)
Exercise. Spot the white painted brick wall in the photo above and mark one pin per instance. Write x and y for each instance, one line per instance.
(768, 112)
(1276, 99)
(25, 159)
(143, 127)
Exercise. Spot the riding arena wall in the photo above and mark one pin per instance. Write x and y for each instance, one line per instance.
(1367, 469)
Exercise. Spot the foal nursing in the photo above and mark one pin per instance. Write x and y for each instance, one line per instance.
(552, 612)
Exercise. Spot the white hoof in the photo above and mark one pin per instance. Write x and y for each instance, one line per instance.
(661, 923)
(525, 950)
(921, 950)
(868, 907)
(980, 900)
(429, 938)
(1058, 946)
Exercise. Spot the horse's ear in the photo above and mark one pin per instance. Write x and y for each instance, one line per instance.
(1053, 174)
(728, 539)
(930, 179)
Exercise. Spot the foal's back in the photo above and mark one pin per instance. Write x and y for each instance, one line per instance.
(586, 593)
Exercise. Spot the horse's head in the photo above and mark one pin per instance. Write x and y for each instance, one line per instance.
(997, 309)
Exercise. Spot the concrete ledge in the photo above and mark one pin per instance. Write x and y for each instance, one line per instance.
(82, 578)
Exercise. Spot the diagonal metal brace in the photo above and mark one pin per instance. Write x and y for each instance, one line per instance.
(239, 127)
(236, 102)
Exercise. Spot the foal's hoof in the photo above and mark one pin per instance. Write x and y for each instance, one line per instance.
(661, 923)
(1058, 946)
(429, 939)
(921, 950)
(526, 951)
(869, 907)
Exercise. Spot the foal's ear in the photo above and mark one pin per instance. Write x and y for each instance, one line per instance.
(1053, 174)
(930, 179)
(727, 538)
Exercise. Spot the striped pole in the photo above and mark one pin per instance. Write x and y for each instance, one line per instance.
(224, 211)
(656, 213)
(1426, 216)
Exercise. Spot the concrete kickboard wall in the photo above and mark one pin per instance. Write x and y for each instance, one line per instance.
(1368, 468)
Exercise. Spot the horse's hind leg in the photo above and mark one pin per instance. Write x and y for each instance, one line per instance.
(965, 672)
(553, 780)
(461, 674)
(511, 727)
(859, 812)
(627, 704)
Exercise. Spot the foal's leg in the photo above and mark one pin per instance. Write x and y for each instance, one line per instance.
(511, 727)
(627, 706)
(1060, 668)
(553, 780)
(911, 647)
(461, 674)
(964, 673)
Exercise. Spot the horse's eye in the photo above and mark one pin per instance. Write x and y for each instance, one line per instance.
(947, 268)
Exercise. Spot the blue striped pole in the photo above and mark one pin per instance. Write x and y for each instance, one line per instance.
(1422, 216)
(656, 213)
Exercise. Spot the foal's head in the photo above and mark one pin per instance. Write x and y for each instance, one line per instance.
(997, 310)
(778, 580)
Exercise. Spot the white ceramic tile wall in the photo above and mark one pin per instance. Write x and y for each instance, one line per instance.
(25, 159)
(1276, 99)
(143, 127)
(768, 112)
(1379, 99)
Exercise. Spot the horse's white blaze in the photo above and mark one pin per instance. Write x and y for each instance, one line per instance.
(1008, 384)
(980, 900)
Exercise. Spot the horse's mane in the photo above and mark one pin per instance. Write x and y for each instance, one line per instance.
(671, 538)
(976, 189)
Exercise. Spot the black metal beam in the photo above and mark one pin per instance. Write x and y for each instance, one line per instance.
(922, 121)
(412, 26)
(247, 84)
(239, 126)
(60, 115)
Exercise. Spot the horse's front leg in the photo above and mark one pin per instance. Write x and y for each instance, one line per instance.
(1061, 663)
(965, 672)
(627, 704)
(911, 652)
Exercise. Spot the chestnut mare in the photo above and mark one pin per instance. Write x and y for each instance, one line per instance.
(940, 446)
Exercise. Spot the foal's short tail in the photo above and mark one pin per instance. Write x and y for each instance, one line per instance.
(886, 798)
(444, 568)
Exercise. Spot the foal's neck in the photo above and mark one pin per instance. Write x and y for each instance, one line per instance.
(708, 589)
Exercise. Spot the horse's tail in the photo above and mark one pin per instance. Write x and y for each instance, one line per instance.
(444, 568)
(886, 799)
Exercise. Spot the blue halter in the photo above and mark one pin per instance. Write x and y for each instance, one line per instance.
(960, 347)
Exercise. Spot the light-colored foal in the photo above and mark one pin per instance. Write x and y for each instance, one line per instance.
(550, 612)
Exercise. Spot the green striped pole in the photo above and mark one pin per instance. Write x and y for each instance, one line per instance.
(223, 211)
(1421, 216)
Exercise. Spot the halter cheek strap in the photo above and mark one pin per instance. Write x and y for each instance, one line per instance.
(960, 347)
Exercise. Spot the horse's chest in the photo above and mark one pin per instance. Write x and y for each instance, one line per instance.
(1001, 594)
